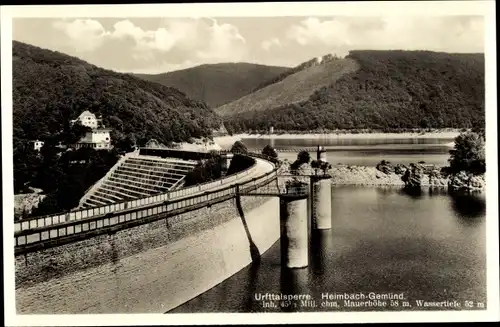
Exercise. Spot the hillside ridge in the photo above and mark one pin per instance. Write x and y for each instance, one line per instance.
(310, 63)
(217, 84)
(51, 88)
(292, 88)
(388, 89)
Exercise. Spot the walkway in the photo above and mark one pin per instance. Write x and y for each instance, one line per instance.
(101, 220)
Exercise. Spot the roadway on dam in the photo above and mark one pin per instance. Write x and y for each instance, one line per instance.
(260, 168)
(154, 279)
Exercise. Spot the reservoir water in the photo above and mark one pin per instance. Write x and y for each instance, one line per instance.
(427, 246)
(365, 151)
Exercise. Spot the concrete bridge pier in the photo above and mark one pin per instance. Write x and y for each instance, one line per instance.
(321, 197)
(321, 202)
(294, 230)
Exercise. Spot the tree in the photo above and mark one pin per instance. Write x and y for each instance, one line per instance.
(125, 144)
(468, 154)
(205, 171)
(479, 129)
(73, 133)
(26, 164)
(50, 89)
(115, 123)
(392, 90)
(66, 178)
(239, 163)
(320, 164)
(239, 147)
(270, 151)
(50, 169)
(303, 157)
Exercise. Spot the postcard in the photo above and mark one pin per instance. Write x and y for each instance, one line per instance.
(250, 163)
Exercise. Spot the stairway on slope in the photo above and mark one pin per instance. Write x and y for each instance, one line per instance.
(139, 177)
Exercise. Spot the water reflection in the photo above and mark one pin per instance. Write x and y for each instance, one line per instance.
(293, 281)
(254, 251)
(413, 192)
(355, 157)
(381, 240)
(261, 142)
(438, 191)
(470, 207)
(364, 151)
(320, 244)
(388, 190)
(249, 304)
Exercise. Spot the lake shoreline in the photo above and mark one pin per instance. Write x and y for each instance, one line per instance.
(371, 176)
(354, 175)
(436, 134)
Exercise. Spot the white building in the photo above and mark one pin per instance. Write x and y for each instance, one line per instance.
(37, 145)
(98, 138)
(88, 119)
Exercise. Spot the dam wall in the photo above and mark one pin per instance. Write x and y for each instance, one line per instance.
(150, 268)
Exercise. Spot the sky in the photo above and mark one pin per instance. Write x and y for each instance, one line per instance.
(157, 45)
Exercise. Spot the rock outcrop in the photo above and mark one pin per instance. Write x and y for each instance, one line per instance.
(400, 169)
(25, 203)
(464, 181)
(360, 175)
(386, 167)
(413, 176)
(386, 174)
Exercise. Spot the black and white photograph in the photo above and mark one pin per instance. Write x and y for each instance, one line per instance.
(250, 162)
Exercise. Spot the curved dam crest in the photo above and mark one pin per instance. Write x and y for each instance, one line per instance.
(154, 266)
(202, 252)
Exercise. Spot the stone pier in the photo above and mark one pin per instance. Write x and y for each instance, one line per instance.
(294, 230)
(321, 202)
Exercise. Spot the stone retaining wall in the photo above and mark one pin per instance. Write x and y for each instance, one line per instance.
(149, 268)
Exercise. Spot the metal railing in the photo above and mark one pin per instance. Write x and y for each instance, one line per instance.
(81, 214)
(312, 171)
(105, 221)
(307, 149)
(277, 190)
(295, 190)
(178, 183)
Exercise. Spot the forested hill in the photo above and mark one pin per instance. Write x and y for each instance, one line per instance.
(387, 90)
(217, 84)
(51, 88)
(291, 88)
(311, 63)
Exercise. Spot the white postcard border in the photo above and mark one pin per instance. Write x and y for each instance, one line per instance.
(430, 8)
